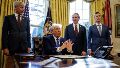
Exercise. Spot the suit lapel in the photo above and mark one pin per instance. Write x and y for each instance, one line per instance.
(14, 20)
(22, 20)
(72, 28)
(102, 30)
(61, 41)
(79, 28)
(53, 40)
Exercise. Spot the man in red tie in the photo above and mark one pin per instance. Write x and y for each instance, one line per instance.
(76, 29)
(77, 34)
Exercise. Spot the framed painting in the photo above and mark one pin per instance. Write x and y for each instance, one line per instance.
(117, 20)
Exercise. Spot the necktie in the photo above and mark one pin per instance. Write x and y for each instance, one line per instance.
(19, 19)
(57, 42)
(76, 29)
(99, 29)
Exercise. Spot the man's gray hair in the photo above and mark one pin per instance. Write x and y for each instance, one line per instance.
(18, 3)
(55, 26)
(77, 14)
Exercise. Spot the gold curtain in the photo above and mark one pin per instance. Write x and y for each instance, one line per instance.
(6, 8)
(60, 12)
(96, 6)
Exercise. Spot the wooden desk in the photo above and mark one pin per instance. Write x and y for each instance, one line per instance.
(87, 62)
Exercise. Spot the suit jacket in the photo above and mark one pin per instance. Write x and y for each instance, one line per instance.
(15, 38)
(49, 46)
(94, 38)
(79, 40)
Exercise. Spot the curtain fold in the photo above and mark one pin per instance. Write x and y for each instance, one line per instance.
(107, 14)
(1, 14)
(60, 12)
(102, 6)
(96, 6)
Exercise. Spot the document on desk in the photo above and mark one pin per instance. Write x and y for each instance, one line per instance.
(47, 61)
(69, 56)
(90, 62)
(94, 62)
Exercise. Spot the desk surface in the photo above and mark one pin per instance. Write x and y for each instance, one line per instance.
(84, 62)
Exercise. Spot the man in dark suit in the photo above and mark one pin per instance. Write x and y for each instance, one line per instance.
(54, 44)
(77, 34)
(16, 32)
(98, 35)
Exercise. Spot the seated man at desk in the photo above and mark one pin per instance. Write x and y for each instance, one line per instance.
(54, 44)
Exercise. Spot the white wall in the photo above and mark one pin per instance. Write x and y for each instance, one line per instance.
(116, 41)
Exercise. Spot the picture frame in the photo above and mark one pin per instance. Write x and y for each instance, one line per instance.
(117, 20)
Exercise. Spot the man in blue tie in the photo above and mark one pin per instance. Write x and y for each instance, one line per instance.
(54, 44)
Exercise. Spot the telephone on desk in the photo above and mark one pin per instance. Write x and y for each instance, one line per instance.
(102, 51)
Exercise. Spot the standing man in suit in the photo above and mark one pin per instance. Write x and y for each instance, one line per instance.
(54, 44)
(16, 32)
(98, 35)
(77, 34)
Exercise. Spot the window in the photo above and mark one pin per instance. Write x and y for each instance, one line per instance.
(37, 11)
(82, 8)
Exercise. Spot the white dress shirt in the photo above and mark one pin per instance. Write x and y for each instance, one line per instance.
(98, 25)
(16, 15)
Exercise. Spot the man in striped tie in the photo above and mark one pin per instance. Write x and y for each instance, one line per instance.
(98, 35)
(16, 31)
(15, 34)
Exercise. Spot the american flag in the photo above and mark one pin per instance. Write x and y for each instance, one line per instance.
(107, 14)
(48, 21)
(26, 12)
